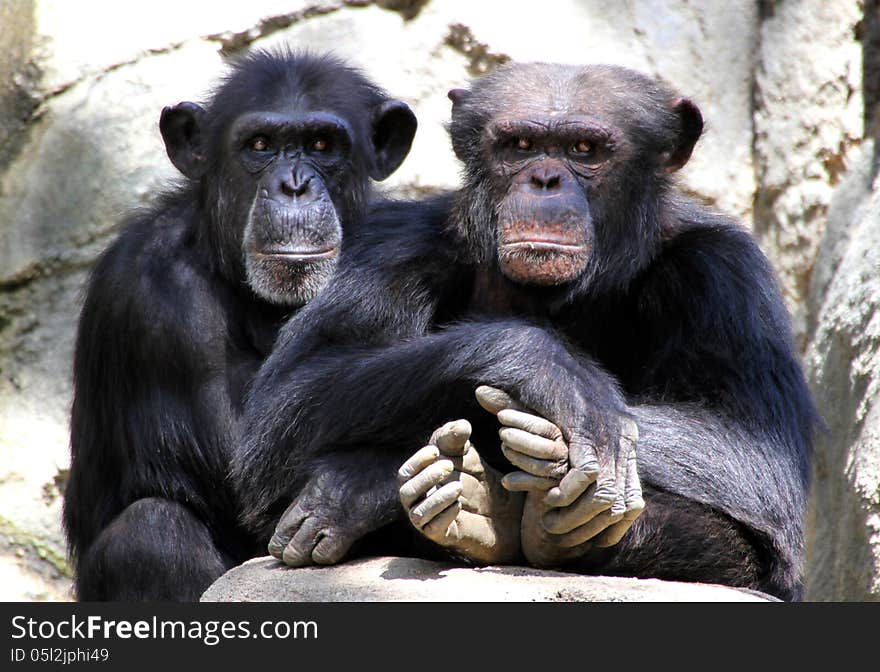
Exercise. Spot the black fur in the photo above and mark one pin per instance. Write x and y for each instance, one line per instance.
(172, 331)
(676, 321)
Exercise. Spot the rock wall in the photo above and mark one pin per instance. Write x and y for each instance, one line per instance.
(81, 86)
(844, 364)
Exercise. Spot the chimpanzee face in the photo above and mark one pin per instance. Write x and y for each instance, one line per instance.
(557, 150)
(285, 155)
(292, 235)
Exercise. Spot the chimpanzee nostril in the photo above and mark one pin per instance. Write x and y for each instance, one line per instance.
(295, 187)
(544, 181)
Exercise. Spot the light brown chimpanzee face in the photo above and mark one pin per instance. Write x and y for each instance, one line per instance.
(560, 147)
(544, 230)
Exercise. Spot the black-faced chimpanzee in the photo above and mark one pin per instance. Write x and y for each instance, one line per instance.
(643, 332)
(182, 309)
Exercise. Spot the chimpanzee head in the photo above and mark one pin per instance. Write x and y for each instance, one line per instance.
(566, 168)
(281, 157)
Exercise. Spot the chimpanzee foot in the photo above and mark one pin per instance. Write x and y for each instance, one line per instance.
(456, 500)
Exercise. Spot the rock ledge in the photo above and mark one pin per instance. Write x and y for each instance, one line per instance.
(411, 580)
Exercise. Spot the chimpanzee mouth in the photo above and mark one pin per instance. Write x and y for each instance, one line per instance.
(547, 238)
(542, 245)
(297, 253)
(545, 258)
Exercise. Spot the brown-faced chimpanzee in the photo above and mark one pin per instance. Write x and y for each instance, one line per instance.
(182, 309)
(644, 332)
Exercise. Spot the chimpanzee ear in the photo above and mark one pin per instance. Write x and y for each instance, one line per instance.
(394, 127)
(457, 96)
(691, 124)
(181, 128)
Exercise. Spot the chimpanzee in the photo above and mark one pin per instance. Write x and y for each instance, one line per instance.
(184, 306)
(643, 332)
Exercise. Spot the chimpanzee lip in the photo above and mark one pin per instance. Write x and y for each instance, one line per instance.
(542, 245)
(297, 253)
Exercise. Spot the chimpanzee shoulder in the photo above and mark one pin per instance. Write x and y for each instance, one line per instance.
(405, 232)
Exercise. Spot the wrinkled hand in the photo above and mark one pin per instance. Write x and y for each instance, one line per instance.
(566, 506)
(457, 501)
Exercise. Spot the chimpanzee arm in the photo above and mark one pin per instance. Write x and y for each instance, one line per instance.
(743, 443)
(335, 383)
(721, 506)
(387, 398)
(725, 423)
(752, 477)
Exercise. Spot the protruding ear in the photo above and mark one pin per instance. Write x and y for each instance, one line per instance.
(394, 127)
(181, 128)
(457, 96)
(691, 121)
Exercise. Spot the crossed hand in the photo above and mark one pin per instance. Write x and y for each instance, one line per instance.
(551, 510)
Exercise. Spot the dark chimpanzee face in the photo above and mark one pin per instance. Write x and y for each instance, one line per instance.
(564, 161)
(293, 231)
(283, 153)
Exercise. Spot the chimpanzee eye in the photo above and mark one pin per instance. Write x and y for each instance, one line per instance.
(259, 143)
(523, 144)
(583, 147)
(319, 145)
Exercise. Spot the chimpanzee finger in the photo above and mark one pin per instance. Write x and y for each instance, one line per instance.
(298, 551)
(452, 438)
(589, 530)
(418, 462)
(521, 481)
(629, 435)
(635, 504)
(427, 510)
(588, 506)
(470, 463)
(494, 400)
(331, 548)
(584, 456)
(572, 486)
(416, 488)
(634, 498)
(287, 526)
(533, 445)
(442, 528)
(536, 467)
(528, 422)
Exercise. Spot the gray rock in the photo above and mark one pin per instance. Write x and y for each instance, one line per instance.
(843, 543)
(808, 120)
(392, 579)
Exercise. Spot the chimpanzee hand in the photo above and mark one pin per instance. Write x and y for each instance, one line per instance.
(456, 500)
(322, 523)
(562, 510)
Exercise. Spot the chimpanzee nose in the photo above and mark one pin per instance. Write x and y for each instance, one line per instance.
(295, 186)
(545, 179)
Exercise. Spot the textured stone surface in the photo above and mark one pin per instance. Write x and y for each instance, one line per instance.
(411, 580)
(808, 118)
(844, 363)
